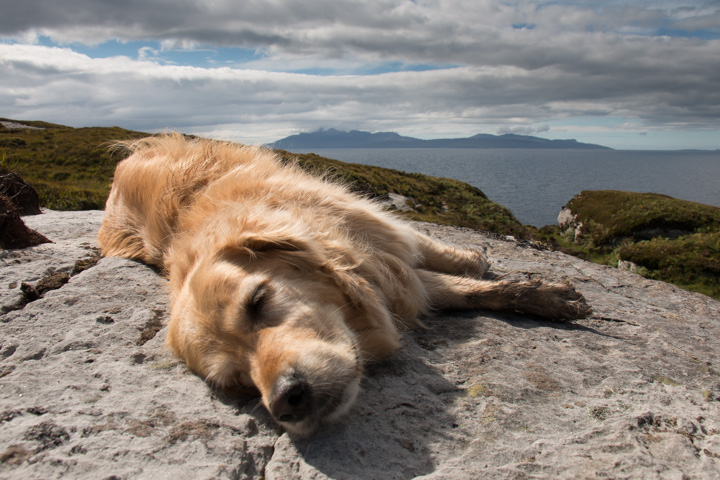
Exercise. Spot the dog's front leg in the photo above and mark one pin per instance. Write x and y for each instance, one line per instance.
(439, 257)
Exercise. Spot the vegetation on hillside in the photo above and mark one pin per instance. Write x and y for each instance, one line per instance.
(673, 240)
(691, 261)
(610, 216)
(72, 169)
(668, 239)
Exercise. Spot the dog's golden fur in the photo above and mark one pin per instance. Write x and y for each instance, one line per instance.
(287, 282)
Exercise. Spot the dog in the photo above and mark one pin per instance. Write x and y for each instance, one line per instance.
(287, 282)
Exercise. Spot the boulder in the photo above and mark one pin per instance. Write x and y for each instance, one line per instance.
(17, 198)
(13, 231)
(88, 389)
(22, 195)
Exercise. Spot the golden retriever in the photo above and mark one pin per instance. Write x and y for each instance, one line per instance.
(287, 282)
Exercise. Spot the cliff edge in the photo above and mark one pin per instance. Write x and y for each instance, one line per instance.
(87, 389)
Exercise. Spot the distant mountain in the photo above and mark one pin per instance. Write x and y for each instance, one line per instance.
(332, 138)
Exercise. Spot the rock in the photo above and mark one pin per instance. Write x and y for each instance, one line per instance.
(17, 198)
(75, 238)
(87, 389)
(18, 126)
(22, 195)
(568, 222)
(13, 231)
(398, 202)
(629, 266)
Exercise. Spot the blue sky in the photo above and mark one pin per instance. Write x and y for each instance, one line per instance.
(634, 74)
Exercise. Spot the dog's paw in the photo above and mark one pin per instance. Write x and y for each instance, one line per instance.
(556, 301)
(559, 301)
(475, 262)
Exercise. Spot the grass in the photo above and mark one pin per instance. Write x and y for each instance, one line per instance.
(70, 168)
(691, 261)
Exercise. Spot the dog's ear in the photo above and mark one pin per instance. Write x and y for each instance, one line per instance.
(265, 243)
(296, 250)
(378, 335)
(357, 290)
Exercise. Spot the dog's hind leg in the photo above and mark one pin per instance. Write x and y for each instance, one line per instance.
(550, 300)
(439, 257)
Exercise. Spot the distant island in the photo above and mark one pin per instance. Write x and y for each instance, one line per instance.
(332, 138)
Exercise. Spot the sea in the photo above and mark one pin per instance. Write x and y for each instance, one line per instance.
(536, 183)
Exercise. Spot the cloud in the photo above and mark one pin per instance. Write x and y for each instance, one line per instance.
(471, 32)
(451, 66)
(45, 83)
(523, 130)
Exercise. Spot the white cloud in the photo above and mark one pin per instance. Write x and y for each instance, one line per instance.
(60, 85)
(523, 130)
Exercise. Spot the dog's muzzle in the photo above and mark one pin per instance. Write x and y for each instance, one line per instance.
(301, 405)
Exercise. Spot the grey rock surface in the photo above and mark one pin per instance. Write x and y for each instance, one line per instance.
(74, 237)
(87, 389)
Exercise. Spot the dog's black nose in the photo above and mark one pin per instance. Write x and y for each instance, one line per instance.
(291, 399)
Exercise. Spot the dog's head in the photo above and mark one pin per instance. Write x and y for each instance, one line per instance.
(276, 314)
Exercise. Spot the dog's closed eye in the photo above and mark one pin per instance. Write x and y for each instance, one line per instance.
(256, 302)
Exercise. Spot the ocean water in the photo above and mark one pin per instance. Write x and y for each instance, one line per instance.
(536, 184)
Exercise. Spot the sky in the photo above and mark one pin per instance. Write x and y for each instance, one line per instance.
(641, 74)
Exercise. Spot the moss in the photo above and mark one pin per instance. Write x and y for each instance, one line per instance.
(599, 412)
(611, 215)
(476, 390)
(672, 240)
(665, 380)
(164, 365)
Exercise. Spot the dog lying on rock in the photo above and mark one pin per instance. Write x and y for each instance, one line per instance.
(286, 282)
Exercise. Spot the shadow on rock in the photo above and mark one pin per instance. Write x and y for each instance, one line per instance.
(402, 413)
(246, 401)
(419, 405)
